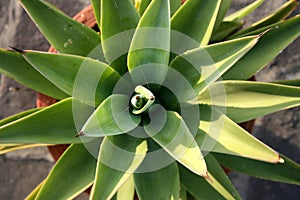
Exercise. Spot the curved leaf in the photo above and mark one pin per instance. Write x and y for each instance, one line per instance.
(238, 15)
(245, 100)
(126, 191)
(18, 116)
(89, 81)
(287, 172)
(112, 117)
(115, 40)
(175, 137)
(225, 5)
(160, 184)
(15, 66)
(119, 157)
(219, 187)
(149, 50)
(143, 4)
(97, 10)
(13, 147)
(268, 47)
(278, 15)
(202, 66)
(56, 124)
(217, 133)
(225, 29)
(198, 13)
(64, 34)
(72, 174)
(34, 192)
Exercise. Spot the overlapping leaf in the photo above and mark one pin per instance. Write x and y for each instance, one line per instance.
(65, 34)
(88, 80)
(72, 174)
(244, 100)
(119, 157)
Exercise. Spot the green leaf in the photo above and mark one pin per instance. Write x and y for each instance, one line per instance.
(115, 40)
(225, 5)
(63, 33)
(217, 133)
(13, 147)
(143, 4)
(268, 47)
(160, 184)
(72, 174)
(126, 191)
(278, 15)
(56, 124)
(247, 100)
(287, 172)
(15, 66)
(202, 66)
(119, 157)
(112, 117)
(238, 15)
(218, 187)
(294, 82)
(34, 192)
(152, 52)
(175, 137)
(18, 116)
(225, 29)
(88, 80)
(198, 13)
(97, 10)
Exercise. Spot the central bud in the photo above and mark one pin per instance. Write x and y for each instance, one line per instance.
(142, 100)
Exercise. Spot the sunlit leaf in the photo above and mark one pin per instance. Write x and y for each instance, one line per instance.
(115, 40)
(225, 29)
(199, 13)
(18, 116)
(126, 191)
(9, 148)
(72, 174)
(160, 184)
(217, 133)
(287, 172)
(267, 48)
(150, 55)
(238, 15)
(15, 66)
(119, 157)
(218, 187)
(225, 5)
(88, 80)
(278, 15)
(45, 127)
(65, 34)
(245, 100)
(175, 137)
(112, 117)
(34, 192)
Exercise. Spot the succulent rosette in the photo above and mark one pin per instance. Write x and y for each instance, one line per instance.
(151, 104)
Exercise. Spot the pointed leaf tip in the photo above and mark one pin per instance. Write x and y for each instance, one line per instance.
(17, 50)
(79, 134)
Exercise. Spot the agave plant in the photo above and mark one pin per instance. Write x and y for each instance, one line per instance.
(152, 105)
